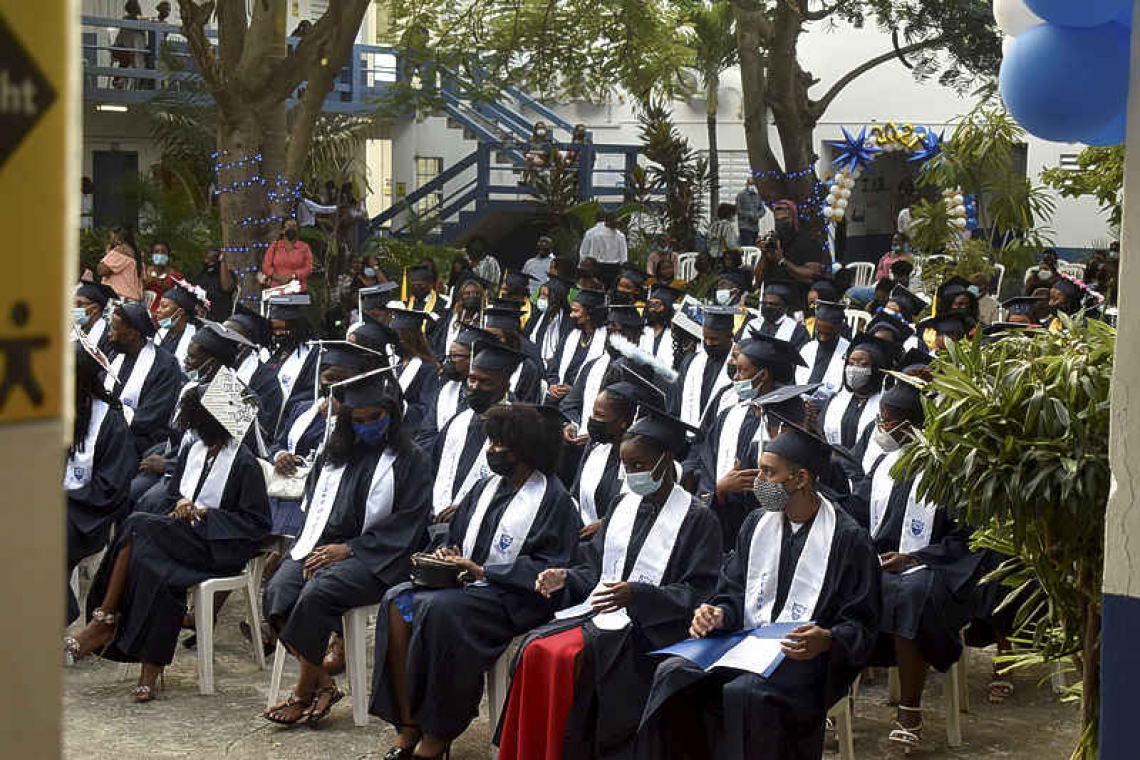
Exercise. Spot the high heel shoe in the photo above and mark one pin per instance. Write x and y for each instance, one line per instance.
(144, 693)
(73, 650)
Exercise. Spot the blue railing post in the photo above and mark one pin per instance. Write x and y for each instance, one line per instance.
(586, 172)
(483, 176)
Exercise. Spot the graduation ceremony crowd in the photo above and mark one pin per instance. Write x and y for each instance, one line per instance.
(573, 456)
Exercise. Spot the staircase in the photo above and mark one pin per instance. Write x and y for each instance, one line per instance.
(482, 195)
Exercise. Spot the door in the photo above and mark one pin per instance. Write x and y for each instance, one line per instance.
(113, 170)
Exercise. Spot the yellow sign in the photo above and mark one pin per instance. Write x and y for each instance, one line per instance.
(37, 119)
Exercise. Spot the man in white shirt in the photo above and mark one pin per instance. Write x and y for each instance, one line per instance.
(605, 243)
(537, 267)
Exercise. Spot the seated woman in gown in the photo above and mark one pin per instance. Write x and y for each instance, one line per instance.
(217, 516)
(581, 682)
(433, 646)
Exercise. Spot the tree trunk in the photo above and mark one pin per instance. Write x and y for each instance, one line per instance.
(1090, 671)
(238, 141)
(713, 84)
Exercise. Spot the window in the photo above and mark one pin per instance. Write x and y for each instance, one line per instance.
(1069, 161)
(427, 169)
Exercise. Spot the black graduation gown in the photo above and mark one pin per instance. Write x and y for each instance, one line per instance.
(536, 329)
(156, 399)
(616, 670)
(929, 606)
(171, 340)
(730, 510)
(735, 714)
(93, 508)
(168, 556)
(849, 432)
(472, 445)
(304, 613)
(264, 383)
(823, 355)
(799, 337)
(609, 486)
(578, 353)
(419, 416)
(708, 381)
(571, 403)
(302, 391)
(286, 515)
(529, 386)
(459, 633)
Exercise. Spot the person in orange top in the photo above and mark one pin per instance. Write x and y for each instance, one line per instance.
(118, 268)
(287, 259)
(159, 277)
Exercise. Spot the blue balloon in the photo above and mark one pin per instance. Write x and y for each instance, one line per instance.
(972, 223)
(1113, 134)
(1064, 84)
(1082, 13)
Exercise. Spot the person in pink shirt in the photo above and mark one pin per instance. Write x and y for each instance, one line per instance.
(118, 268)
(287, 259)
(899, 251)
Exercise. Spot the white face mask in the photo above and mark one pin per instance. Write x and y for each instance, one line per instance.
(643, 483)
(79, 316)
(541, 304)
(724, 297)
(857, 377)
(885, 439)
(745, 390)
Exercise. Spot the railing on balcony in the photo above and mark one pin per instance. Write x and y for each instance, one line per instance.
(134, 71)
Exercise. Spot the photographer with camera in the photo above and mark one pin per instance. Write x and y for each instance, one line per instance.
(789, 255)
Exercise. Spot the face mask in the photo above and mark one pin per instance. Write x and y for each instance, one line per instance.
(501, 462)
(745, 390)
(885, 439)
(771, 313)
(369, 272)
(159, 259)
(291, 234)
(857, 377)
(718, 352)
(79, 316)
(480, 401)
(724, 297)
(166, 323)
(897, 248)
(643, 483)
(541, 132)
(472, 303)
(1044, 274)
(655, 318)
(371, 433)
(784, 227)
(598, 432)
(450, 371)
(889, 312)
(542, 304)
(773, 497)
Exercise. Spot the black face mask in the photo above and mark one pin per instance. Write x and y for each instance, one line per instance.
(657, 318)
(501, 462)
(451, 372)
(771, 313)
(598, 431)
(472, 303)
(282, 341)
(718, 352)
(784, 228)
(291, 234)
(479, 401)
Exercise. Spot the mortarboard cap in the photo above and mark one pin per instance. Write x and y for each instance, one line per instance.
(252, 325)
(516, 282)
(376, 296)
(720, 318)
(899, 329)
(138, 316)
(634, 275)
(826, 290)
(420, 273)
(950, 323)
(671, 433)
(625, 317)
(998, 328)
(496, 357)
(221, 342)
(351, 356)
(799, 446)
(503, 317)
(558, 284)
(915, 357)
(764, 349)
(906, 400)
(1070, 288)
(410, 319)
(229, 400)
(786, 401)
(468, 335)
(591, 299)
(467, 276)
(1023, 304)
(181, 297)
(910, 304)
(832, 313)
(954, 287)
(289, 307)
(369, 389)
(665, 294)
(884, 352)
(740, 279)
(97, 292)
(779, 289)
(373, 334)
(636, 387)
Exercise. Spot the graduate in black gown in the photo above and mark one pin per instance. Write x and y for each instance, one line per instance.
(526, 382)
(826, 571)
(434, 646)
(418, 374)
(550, 322)
(177, 316)
(218, 515)
(623, 320)
(705, 371)
(774, 317)
(422, 296)
(89, 312)
(929, 575)
(98, 470)
(823, 357)
(580, 683)
(368, 503)
(850, 414)
(466, 308)
(292, 359)
(658, 336)
(149, 377)
(585, 341)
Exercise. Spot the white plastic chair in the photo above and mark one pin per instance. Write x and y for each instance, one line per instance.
(843, 716)
(955, 692)
(250, 581)
(687, 266)
(857, 319)
(863, 273)
(1076, 271)
(499, 685)
(750, 254)
(1001, 278)
(355, 624)
(82, 577)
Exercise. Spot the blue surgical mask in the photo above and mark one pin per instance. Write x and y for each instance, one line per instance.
(369, 272)
(643, 483)
(724, 297)
(79, 316)
(159, 259)
(745, 390)
(166, 323)
(371, 433)
(541, 304)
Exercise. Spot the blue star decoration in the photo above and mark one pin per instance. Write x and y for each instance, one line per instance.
(854, 151)
(931, 146)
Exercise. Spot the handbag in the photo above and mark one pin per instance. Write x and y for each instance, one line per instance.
(284, 487)
(431, 572)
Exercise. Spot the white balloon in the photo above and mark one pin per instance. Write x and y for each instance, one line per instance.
(838, 214)
(841, 203)
(1014, 17)
(960, 223)
(828, 212)
(834, 189)
(960, 210)
(959, 200)
(858, 173)
(845, 192)
(850, 182)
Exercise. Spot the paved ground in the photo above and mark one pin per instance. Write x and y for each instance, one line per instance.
(100, 721)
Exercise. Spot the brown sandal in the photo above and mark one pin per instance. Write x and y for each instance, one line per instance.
(300, 704)
(330, 696)
(73, 651)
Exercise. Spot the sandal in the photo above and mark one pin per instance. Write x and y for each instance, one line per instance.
(144, 693)
(908, 737)
(316, 713)
(301, 704)
(1000, 691)
(404, 753)
(73, 650)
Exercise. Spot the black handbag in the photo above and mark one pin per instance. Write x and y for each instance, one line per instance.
(431, 572)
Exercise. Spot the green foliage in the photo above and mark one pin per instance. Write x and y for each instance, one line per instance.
(1100, 173)
(1016, 443)
(169, 214)
(973, 258)
(396, 254)
(335, 151)
(674, 169)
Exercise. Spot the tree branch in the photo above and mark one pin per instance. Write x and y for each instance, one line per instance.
(819, 15)
(195, 16)
(820, 106)
(231, 34)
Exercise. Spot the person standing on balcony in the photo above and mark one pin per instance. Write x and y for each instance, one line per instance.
(127, 47)
(749, 210)
(605, 244)
(538, 150)
(118, 268)
(288, 259)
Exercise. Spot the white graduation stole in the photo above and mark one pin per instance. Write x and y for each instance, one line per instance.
(210, 496)
(248, 366)
(301, 424)
(408, 373)
(291, 370)
(183, 340)
(570, 347)
(592, 471)
(652, 559)
(918, 521)
(447, 402)
(785, 327)
(691, 408)
(833, 419)
(317, 507)
(133, 385)
(550, 338)
(381, 494)
(515, 523)
(730, 438)
(832, 376)
(444, 494)
(78, 470)
(593, 386)
(764, 569)
(97, 329)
